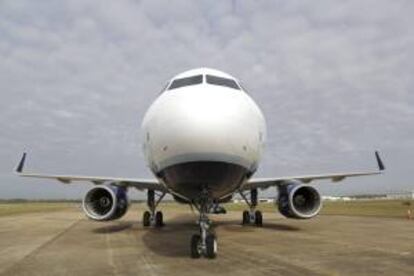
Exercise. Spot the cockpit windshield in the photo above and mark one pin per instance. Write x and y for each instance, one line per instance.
(222, 82)
(177, 83)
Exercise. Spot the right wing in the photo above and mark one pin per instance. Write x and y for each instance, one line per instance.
(140, 184)
(264, 183)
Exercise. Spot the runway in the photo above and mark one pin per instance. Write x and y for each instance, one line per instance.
(66, 243)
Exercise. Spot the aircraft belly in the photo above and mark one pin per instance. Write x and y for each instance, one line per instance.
(190, 178)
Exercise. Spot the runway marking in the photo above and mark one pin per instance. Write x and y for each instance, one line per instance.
(143, 263)
(110, 254)
(279, 248)
(349, 244)
(41, 246)
(256, 259)
(291, 263)
(148, 265)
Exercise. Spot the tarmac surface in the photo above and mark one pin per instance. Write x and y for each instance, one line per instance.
(66, 243)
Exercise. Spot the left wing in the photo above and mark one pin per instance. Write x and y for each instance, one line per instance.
(141, 184)
(264, 183)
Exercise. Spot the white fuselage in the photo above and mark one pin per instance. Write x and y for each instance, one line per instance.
(203, 124)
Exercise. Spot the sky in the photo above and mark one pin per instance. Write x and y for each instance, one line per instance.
(334, 80)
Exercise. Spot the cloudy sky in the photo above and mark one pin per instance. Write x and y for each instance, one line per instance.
(333, 78)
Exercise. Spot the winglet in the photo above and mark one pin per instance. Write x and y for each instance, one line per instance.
(20, 166)
(381, 166)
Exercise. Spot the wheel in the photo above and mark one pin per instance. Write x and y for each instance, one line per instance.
(211, 246)
(246, 217)
(195, 243)
(258, 218)
(146, 219)
(159, 219)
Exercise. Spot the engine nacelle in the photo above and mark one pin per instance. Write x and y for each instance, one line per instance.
(299, 201)
(105, 202)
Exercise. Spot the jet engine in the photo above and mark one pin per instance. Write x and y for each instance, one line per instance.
(105, 202)
(299, 201)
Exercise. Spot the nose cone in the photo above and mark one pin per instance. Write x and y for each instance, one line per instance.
(203, 124)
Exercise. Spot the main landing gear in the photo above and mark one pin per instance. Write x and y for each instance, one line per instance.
(153, 217)
(252, 216)
(205, 243)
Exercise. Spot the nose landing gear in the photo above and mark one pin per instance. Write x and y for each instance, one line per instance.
(205, 243)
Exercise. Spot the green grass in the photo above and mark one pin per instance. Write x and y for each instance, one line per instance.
(8, 209)
(379, 208)
(264, 207)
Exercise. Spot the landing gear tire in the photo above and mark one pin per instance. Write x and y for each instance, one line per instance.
(195, 246)
(159, 222)
(258, 219)
(246, 218)
(146, 219)
(211, 246)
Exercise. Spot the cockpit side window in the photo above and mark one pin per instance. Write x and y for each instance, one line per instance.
(164, 88)
(177, 83)
(222, 82)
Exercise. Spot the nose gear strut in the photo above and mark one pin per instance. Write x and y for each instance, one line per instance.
(205, 243)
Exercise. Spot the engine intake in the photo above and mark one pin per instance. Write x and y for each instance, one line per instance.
(105, 202)
(299, 201)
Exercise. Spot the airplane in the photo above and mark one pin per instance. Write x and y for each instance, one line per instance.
(203, 138)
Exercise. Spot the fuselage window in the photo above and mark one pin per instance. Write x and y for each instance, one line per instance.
(222, 82)
(186, 82)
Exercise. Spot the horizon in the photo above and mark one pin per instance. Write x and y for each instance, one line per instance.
(77, 77)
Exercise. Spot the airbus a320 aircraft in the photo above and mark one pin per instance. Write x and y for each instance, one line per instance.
(203, 138)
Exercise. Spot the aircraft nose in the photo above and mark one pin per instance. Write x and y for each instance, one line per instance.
(205, 127)
(210, 120)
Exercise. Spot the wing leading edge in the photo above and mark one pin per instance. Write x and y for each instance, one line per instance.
(153, 184)
(264, 183)
(140, 184)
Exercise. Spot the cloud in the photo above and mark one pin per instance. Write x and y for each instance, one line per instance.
(334, 79)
